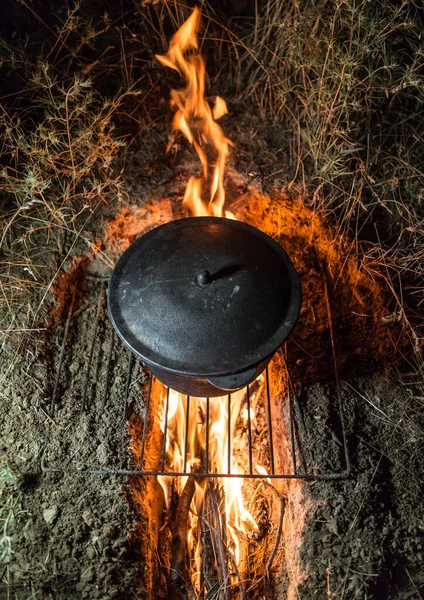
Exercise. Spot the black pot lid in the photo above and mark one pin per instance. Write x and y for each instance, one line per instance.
(204, 296)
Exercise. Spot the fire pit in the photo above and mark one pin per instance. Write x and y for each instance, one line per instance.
(205, 303)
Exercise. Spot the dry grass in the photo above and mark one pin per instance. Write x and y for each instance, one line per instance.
(57, 170)
(344, 79)
(348, 78)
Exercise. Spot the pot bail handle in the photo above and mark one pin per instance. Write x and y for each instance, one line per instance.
(230, 383)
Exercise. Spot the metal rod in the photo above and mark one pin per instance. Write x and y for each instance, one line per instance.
(108, 371)
(336, 374)
(92, 345)
(89, 471)
(297, 426)
(249, 430)
(292, 434)
(229, 432)
(186, 433)
(271, 442)
(62, 351)
(291, 412)
(207, 437)
(165, 430)
(300, 425)
(127, 384)
(146, 415)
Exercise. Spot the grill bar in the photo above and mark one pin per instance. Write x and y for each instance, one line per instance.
(62, 352)
(249, 430)
(186, 434)
(229, 432)
(295, 422)
(128, 384)
(146, 414)
(92, 347)
(165, 432)
(207, 435)
(108, 372)
(292, 432)
(269, 416)
(128, 472)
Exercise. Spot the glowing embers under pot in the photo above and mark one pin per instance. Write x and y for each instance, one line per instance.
(204, 302)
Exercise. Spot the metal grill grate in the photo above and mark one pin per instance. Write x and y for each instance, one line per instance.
(297, 432)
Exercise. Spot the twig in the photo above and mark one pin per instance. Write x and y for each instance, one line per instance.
(244, 565)
(413, 584)
(328, 571)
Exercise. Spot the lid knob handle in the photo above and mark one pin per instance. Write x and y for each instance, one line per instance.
(203, 278)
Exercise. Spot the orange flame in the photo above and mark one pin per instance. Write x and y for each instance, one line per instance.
(196, 120)
(239, 519)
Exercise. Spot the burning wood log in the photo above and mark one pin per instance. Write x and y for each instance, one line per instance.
(244, 563)
(179, 575)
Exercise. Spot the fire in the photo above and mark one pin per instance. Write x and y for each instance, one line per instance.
(197, 120)
(211, 434)
(188, 452)
(201, 434)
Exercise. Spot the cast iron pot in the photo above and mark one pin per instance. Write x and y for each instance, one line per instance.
(204, 302)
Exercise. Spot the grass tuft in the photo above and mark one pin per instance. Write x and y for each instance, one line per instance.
(55, 175)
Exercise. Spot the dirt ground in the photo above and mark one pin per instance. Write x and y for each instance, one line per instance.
(363, 537)
(72, 530)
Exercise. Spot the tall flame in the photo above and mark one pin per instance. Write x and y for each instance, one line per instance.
(197, 120)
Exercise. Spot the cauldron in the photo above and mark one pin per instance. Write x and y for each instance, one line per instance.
(204, 302)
